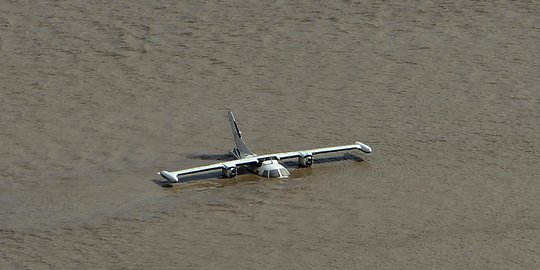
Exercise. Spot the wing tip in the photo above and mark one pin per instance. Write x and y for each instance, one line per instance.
(364, 147)
(168, 176)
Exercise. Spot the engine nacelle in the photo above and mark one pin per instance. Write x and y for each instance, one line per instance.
(229, 172)
(305, 160)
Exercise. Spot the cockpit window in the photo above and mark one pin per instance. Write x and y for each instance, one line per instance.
(274, 173)
(265, 174)
(284, 172)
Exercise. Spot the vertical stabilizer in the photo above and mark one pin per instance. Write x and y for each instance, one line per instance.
(241, 150)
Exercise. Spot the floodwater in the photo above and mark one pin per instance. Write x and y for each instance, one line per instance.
(97, 97)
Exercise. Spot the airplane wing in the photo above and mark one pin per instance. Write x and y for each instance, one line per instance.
(357, 145)
(173, 176)
(254, 159)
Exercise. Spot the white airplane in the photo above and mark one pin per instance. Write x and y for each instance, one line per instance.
(264, 165)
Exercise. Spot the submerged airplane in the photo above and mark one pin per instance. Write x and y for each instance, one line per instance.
(264, 165)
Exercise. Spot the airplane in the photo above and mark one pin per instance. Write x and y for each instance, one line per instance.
(264, 165)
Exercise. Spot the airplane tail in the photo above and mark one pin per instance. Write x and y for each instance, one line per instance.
(241, 149)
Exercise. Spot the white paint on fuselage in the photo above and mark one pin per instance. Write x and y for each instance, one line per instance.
(272, 168)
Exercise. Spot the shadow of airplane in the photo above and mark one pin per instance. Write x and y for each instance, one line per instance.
(189, 178)
(323, 160)
(224, 157)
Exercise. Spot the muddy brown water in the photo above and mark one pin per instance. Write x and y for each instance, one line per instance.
(96, 98)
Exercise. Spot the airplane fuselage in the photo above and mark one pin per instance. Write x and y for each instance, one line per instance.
(269, 169)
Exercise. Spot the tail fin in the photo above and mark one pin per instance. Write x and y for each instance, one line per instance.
(241, 149)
